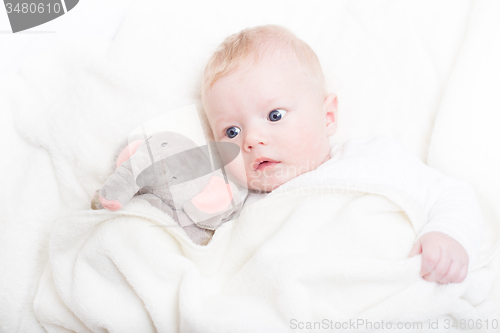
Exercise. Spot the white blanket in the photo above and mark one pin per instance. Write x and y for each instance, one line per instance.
(309, 252)
(391, 63)
(465, 137)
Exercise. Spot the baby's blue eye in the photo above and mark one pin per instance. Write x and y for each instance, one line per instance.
(231, 132)
(277, 114)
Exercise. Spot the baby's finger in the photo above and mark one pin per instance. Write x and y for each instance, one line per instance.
(416, 249)
(430, 259)
(439, 270)
(453, 273)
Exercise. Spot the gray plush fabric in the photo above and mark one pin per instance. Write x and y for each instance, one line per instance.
(168, 170)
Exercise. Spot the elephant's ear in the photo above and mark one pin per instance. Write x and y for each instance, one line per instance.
(215, 197)
(213, 204)
(127, 152)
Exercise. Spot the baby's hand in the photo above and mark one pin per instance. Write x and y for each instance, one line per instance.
(444, 260)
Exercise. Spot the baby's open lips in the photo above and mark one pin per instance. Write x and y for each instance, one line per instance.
(263, 162)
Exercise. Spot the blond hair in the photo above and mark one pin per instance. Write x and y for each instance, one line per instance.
(261, 42)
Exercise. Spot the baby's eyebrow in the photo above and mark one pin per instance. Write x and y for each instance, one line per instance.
(219, 122)
(269, 101)
(219, 127)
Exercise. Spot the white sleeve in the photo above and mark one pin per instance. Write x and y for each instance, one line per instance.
(450, 204)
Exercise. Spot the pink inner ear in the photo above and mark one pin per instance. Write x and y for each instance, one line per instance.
(215, 197)
(127, 152)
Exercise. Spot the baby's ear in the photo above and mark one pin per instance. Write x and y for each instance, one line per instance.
(330, 108)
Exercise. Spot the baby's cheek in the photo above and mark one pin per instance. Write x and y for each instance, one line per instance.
(308, 149)
(304, 143)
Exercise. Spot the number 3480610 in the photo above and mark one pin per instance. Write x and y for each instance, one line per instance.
(32, 8)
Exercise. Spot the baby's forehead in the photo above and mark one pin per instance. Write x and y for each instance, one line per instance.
(270, 74)
(287, 57)
(282, 64)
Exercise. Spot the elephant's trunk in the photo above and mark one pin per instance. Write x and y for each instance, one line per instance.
(119, 188)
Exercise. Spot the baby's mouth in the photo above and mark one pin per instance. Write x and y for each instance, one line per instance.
(264, 163)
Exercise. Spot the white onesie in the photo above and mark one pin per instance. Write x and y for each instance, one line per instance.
(450, 204)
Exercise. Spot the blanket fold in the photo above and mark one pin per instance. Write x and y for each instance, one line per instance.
(302, 254)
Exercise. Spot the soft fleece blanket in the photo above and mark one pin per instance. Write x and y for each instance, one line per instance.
(423, 72)
(309, 252)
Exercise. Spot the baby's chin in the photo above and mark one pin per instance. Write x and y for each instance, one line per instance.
(267, 184)
(261, 188)
(278, 178)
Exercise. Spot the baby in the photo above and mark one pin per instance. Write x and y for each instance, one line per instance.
(264, 90)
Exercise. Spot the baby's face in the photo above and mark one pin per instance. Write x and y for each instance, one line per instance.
(278, 119)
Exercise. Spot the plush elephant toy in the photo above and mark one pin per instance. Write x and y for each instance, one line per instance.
(176, 176)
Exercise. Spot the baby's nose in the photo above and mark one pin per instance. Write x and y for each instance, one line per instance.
(255, 137)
